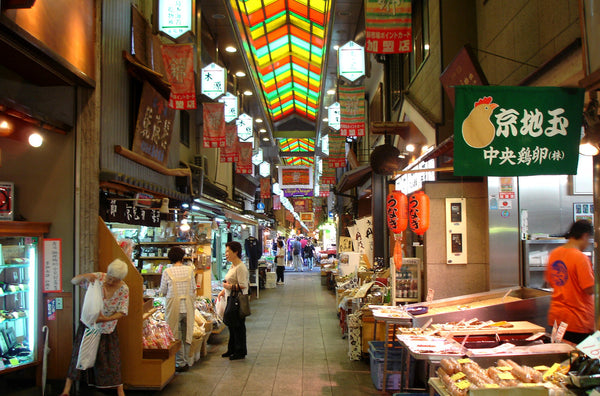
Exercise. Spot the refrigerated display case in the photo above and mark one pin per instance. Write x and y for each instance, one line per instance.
(406, 282)
(20, 294)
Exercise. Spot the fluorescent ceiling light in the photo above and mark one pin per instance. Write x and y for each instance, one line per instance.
(262, 130)
(259, 120)
(240, 74)
(230, 49)
(248, 93)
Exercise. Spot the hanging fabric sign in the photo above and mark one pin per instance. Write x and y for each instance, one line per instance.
(265, 187)
(328, 176)
(179, 68)
(337, 150)
(213, 115)
(352, 110)
(276, 202)
(244, 165)
(388, 26)
(154, 126)
(517, 131)
(231, 151)
(365, 228)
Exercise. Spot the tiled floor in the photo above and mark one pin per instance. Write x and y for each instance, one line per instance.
(294, 348)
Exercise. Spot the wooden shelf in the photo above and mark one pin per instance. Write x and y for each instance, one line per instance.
(162, 353)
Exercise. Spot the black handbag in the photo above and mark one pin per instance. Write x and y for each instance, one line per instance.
(231, 316)
(244, 305)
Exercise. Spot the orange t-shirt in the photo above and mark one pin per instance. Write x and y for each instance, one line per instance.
(569, 272)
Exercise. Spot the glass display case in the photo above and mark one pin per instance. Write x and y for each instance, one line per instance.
(407, 281)
(19, 294)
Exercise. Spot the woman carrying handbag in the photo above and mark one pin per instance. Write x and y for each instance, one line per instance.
(236, 279)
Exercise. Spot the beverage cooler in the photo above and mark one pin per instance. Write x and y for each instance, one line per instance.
(20, 294)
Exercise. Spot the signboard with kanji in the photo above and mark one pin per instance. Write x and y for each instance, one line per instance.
(52, 265)
(231, 106)
(351, 61)
(334, 116)
(244, 128)
(214, 79)
(517, 131)
(174, 17)
(264, 169)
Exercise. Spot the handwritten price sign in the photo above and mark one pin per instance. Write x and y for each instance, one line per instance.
(591, 346)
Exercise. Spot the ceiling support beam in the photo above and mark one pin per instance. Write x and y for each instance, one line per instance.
(293, 134)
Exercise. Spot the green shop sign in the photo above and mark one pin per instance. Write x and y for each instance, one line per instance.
(517, 131)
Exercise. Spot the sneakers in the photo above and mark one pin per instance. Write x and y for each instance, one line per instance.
(182, 369)
(280, 283)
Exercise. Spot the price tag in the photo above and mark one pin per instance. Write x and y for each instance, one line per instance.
(552, 370)
(591, 346)
(506, 376)
(491, 386)
(505, 368)
(465, 360)
(463, 384)
(430, 294)
(541, 368)
(458, 376)
(553, 334)
(561, 331)
(14, 361)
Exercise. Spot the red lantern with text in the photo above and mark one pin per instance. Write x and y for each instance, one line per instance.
(418, 212)
(397, 211)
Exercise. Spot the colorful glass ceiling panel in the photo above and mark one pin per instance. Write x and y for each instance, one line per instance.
(287, 41)
(299, 161)
(296, 145)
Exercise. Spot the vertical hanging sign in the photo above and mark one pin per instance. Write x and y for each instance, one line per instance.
(264, 169)
(337, 150)
(351, 61)
(388, 26)
(213, 80)
(213, 115)
(231, 151)
(244, 128)
(334, 116)
(244, 165)
(265, 188)
(52, 266)
(175, 17)
(231, 106)
(179, 65)
(352, 110)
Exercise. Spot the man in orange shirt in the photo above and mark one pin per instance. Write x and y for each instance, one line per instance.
(570, 274)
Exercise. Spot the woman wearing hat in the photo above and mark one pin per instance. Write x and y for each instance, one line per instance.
(106, 372)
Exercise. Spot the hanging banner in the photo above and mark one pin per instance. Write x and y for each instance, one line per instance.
(114, 211)
(276, 202)
(333, 115)
(231, 106)
(352, 110)
(265, 187)
(328, 177)
(213, 81)
(296, 177)
(298, 192)
(463, 70)
(388, 26)
(213, 115)
(337, 150)
(351, 61)
(231, 151)
(244, 128)
(517, 131)
(244, 165)
(324, 192)
(179, 70)
(154, 126)
(175, 17)
(365, 229)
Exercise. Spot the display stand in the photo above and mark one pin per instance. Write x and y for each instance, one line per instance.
(137, 372)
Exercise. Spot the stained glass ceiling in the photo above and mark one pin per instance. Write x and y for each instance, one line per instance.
(299, 161)
(287, 41)
(295, 145)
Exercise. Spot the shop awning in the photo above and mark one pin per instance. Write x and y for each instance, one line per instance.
(354, 178)
(238, 218)
(120, 182)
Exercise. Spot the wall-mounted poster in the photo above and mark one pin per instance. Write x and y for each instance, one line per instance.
(583, 211)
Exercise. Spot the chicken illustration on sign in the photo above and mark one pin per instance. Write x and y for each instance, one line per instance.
(478, 129)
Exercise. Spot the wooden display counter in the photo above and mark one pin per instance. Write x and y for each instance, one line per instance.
(137, 371)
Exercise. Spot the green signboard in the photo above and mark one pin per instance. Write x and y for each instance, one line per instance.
(517, 131)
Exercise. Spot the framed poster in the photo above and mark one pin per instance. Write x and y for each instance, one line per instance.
(52, 266)
(583, 211)
(7, 200)
(295, 177)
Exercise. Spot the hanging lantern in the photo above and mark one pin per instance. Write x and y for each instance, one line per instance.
(397, 211)
(398, 252)
(418, 212)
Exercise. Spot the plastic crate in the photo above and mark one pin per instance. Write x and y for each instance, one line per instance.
(394, 364)
(378, 349)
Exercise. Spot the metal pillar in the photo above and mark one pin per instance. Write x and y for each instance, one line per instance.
(380, 230)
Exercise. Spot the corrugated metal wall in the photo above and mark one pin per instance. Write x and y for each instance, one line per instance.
(116, 109)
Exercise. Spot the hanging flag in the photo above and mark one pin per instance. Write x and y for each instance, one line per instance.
(388, 26)
(517, 131)
(337, 150)
(214, 125)
(265, 187)
(276, 202)
(328, 177)
(244, 165)
(231, 151)
(352, 110)
(179, 68)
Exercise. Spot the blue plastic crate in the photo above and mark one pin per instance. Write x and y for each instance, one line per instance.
(378, 350)
(393, 380)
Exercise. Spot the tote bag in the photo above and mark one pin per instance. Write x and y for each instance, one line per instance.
(92, 305)
(231, 317)
(88, 348)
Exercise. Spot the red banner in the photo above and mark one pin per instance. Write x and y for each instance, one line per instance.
(337, 150)
(352, 110)
(328, 176)
(388, 26)
(265, 187)
(213, 115)
(231, 151)
(244, 165)
(179, 65)
(276, 202)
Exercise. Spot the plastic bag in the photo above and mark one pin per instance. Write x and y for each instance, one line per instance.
(92, 304)
(88, 348)
(220, 306)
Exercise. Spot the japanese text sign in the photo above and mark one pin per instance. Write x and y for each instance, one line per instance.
(52, 266)
(244, 128)
(591, 346)
(244, 165)
(213, 80)
(174, 17)
(517, 131)
(265, 187)
(231, 106)
(352, 110)
(257, 158)
(388, 26)
(113, 211)
(264, 169)
(213, 133)
(179, 66)
(154, 126)
(351, 61)
(334, 116)
(231, 151)
(463, 70)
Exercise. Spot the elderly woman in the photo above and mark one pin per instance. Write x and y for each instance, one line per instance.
(236, 279)
(106, 372)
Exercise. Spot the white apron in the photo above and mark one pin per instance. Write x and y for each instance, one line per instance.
(173, 305)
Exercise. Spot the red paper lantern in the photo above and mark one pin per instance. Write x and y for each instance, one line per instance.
(418, 212)
(397, 211)
(398, 253)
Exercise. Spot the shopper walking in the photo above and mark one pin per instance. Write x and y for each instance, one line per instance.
(178, 285)
(309, 253)
(280, 258)
(236, 279)
(570, 274)
(106, 372)
(297, 254)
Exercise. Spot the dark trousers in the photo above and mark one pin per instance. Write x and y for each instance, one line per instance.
(575, 338)
(237, 339)
(280, 270)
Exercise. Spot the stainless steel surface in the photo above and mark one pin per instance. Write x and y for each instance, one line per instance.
(532, 307)
(503, 240)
